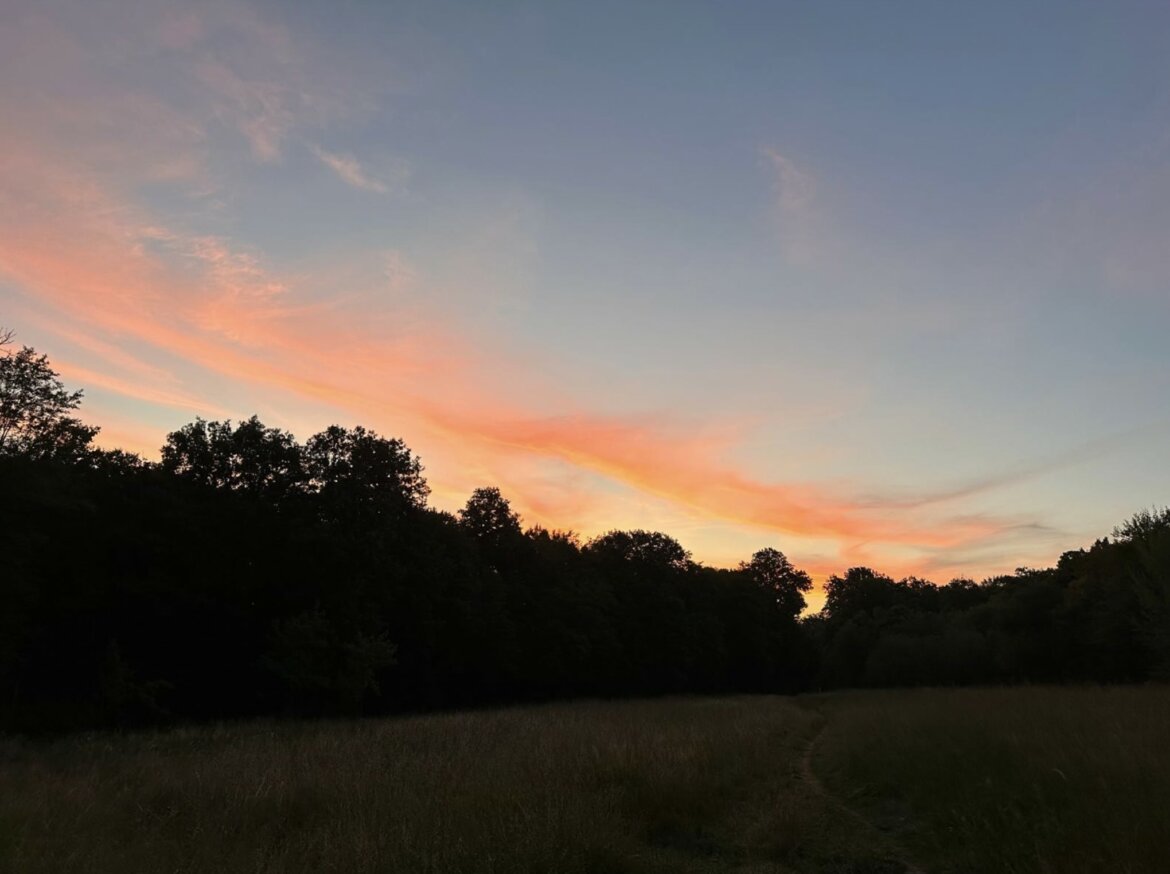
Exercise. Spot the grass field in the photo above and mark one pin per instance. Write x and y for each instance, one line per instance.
(1008, 780)
(1021, 780)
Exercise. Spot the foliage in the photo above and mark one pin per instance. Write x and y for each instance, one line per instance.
(358, 472)
(249, 458)
(645, 548)
(249, 573)
(322, 666)
(771, 570)
(1144, 524)
(35, 407)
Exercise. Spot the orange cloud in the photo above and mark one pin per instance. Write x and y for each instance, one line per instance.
(219, 309)
(87, 377)
(76, 239)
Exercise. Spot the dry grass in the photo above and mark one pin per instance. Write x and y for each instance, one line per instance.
(1062, 780)
(1000, 780)
(678, 785)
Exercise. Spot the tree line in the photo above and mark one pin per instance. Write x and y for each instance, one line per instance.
(248, 573)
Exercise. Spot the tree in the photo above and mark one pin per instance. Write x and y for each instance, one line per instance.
(356, 471)
(771, 570)
(651, 548)
(489, 516)
(860, 591)
(1143, 525)
(250, 457)
(323, 666)
(35, 407)
(1148, 564)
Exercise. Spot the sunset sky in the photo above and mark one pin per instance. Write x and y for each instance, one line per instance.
(871, 283)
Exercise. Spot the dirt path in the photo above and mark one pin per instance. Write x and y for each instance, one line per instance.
(889, 848)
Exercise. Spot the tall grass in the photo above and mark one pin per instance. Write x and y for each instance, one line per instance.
(677, 785)
(1061, 780)
(1000, 780)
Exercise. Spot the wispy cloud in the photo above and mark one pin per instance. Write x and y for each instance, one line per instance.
(350, 170)
(261, 111)
(82, 244)
(1082, 453)
(221, 310)
(798, 214)
(136, 389)
(647, 454)
(795, 188)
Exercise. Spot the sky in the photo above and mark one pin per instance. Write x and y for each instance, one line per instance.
(870, 283)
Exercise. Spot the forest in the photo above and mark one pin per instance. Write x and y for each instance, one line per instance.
(247, 573)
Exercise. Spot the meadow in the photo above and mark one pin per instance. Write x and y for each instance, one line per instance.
(1014, 780)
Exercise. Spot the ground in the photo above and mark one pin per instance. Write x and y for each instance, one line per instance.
(1014, 780)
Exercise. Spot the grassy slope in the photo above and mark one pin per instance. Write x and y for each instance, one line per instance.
(1022, 780)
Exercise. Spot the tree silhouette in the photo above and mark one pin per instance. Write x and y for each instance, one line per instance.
(861, 591)
(250, 574)
(1147, 533)
(771, 570)
(35, 406)
(322, 667)
(355, 471)
(250, 457)
(489, 517)
(1144, 525)
(650, 548)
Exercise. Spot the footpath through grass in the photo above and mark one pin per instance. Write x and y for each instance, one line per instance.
(1016, 780)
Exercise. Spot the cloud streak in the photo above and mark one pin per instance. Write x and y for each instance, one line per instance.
(1085, 452)
(220, 310)
(799, 217)
(350, 171)
(795, 188)
(130, 287)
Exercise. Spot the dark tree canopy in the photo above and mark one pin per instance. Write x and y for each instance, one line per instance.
(1144, 525)
(356, 470)
(248, 574)
(250, 457)
(650, 548)
(860, 591)
(489, 516)
(771, 570)
(35, 408)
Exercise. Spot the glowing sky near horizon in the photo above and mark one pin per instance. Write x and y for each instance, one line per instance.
(872, 283)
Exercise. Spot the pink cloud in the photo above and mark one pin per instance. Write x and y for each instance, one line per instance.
(77, 239)
(221, 310)
(350, 170)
